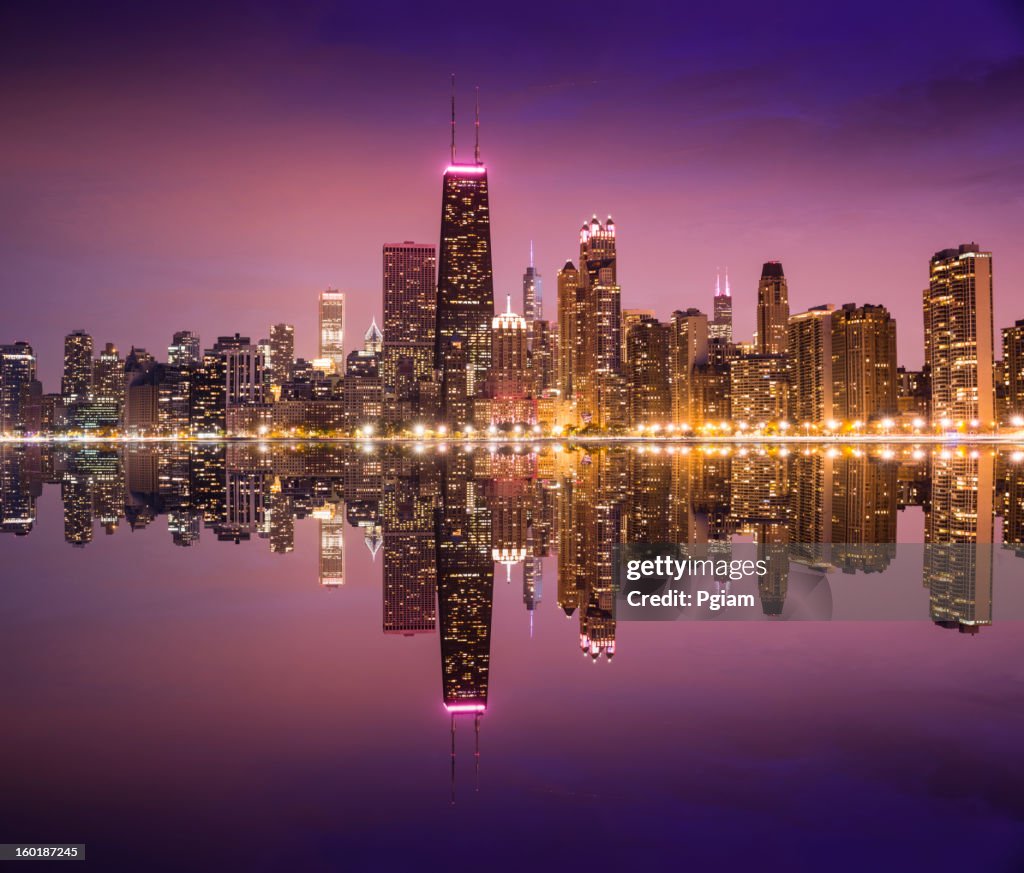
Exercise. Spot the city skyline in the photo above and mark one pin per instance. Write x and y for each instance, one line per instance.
(491, 434)
(224, 216)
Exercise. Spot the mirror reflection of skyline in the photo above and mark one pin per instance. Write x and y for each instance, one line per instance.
(447, 524)
(442, 520)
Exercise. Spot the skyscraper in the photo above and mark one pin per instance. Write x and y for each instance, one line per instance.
(332, 328)
(184, 349)
(244, 382)
(598, 386)
(410, 322)
(629, 318)
(863, 363)
(331, 566)
(958, 334)
(282, 353)
(543, 356)
(20, 392)
(772, 310)
(108, 375)
(465, 587)
(533, 301)
(568, 322)
(647, 372)
(759, 389)
(509, 383)
(1013, 367)
(688, 349)
(720, 327)
(810, 365)
(465, 283)
(76, 384)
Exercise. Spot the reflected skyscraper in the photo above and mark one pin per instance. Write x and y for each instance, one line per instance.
(20, 486)
(407, 506)
(958, 539)
(465, 586)
(331, 519)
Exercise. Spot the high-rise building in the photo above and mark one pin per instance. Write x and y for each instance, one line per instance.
(465, 587)
(958, 535)
(598, 386)
(914, 392)
(647, 372)
(108, 375)
(1013, 368)
(508, 375)
(465, 283)
(544, 356)
(509, 383)
(958, 334)
(410, 320)
(282, 354)
(76, 384)
(772, 310)
(332, 545)
(533, 301)
(759, 389)
(720, 326)
(629, 318)
(688, 349)
(244, 382)
(810, 365)
(332, 328)
(568, 323)
(863, 363)
(184, 349)
(20, 391)
(207, 406)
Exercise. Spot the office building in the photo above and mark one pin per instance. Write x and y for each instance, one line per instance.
(332, 329)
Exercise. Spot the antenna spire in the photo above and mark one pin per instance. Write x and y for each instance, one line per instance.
(453, 760)
(453, 118)
(476, 150)
(531, 252)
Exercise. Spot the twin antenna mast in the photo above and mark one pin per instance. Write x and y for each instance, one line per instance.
(476, 148)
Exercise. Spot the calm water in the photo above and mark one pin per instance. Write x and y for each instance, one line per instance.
(245, 657)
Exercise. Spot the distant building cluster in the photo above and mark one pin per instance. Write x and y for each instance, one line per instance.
(445, 362)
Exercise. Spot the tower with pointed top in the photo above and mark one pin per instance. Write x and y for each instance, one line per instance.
(721, 325)
(465, 284)
(533, 305)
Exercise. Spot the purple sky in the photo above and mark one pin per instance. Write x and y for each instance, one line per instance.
(166, 168)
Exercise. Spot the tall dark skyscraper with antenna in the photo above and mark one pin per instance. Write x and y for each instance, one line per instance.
(465, 282)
